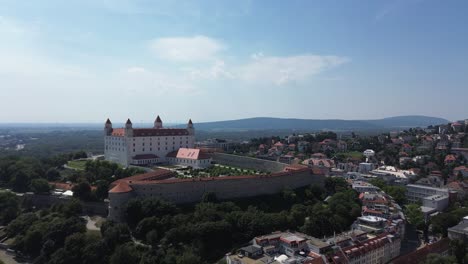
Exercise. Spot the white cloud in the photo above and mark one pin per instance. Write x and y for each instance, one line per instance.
(217, 71)
(282, 70)
(186, 49)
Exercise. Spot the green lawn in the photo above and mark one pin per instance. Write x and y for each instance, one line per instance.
(77, 164)
(351, 154)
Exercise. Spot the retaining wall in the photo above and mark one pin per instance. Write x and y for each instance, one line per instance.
(46, 201)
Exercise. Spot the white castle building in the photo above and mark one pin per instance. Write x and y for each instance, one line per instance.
(145, 146)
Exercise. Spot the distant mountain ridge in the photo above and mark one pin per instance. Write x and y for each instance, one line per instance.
(271, 123)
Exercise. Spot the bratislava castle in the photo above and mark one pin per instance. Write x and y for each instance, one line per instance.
(144, 146)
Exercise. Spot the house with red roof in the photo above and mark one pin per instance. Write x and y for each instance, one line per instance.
(189, 157)
(440, 247)
(406, 148)
(450, 159)
(457, 127)
(461, 169)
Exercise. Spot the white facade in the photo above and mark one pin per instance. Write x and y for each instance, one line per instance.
(416, 193)
(143, 146)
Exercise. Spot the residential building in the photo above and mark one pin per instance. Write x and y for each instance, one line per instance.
(459, 231)
(463, 170)
(415, 193)
(380, 249)
(440, 247)
(366, 167)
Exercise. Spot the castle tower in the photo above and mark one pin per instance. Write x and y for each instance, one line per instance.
(158, 123)
(190, 127)
(128, 128)
(108, 127)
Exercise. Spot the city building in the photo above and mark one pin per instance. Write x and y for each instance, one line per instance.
(459, 231)
(291, 247)
(145, 146)
(416, 193)
(440, 247)
(366, 167)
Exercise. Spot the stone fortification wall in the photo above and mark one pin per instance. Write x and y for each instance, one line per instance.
(248, 163)
(192, 190)
(46, 201)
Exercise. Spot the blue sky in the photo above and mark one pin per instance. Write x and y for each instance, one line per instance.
(84, 61)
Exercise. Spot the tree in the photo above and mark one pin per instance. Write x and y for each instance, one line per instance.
(441, 222)
(9, 207)
(396, 192)
(21, 224)
(20, 181)
(52, 174)
(33, 243)
(102, 190)
(40, 186)
(115, 235)
(126, 253)
(415, 216)
(335, 184)
(378, 182)
(209, 197)
(438, 259)
(188, 257)
(458, 249)
(72, 208)
(82, 191)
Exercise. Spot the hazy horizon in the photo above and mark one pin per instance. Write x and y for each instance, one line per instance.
(84, 61)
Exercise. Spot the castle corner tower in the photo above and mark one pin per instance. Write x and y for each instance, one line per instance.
(158, 123)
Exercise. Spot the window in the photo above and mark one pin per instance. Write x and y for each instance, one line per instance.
(133, 150)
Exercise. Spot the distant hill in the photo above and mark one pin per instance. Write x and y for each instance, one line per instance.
(270, 123)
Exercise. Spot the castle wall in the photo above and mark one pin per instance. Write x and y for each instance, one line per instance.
(192, 191)
(248, 163)
(46, 201)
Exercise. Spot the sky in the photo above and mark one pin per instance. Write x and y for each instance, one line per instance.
(87, 60)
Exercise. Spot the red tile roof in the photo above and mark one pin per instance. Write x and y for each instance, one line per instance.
(188, 153)
(420, 255)
(159, 174)
(450, 158)
(118, 132)
(151, 132)
(66, 186)
(121, 187)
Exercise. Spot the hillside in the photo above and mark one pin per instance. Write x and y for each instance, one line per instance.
(269, 123)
